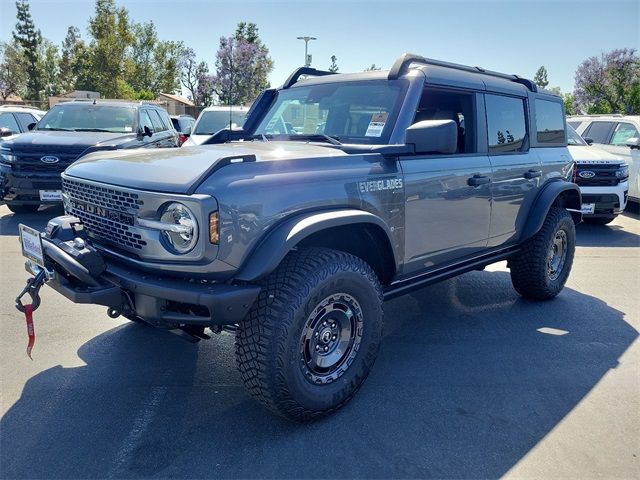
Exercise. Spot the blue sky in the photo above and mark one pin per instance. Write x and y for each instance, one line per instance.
(509, 36)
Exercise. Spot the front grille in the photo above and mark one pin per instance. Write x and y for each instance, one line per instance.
(29, 160)
(605, 176)
(100, 213)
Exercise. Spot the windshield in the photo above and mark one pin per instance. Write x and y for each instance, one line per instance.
(89, 118)
(353, 112)
(573, 137)
(214, 121)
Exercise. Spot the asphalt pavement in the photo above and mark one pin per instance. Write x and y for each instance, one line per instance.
(472, 381)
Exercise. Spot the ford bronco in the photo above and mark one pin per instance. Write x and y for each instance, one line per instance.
(339, 192)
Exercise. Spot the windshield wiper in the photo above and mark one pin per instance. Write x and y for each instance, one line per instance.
(92, 130)
(56, 129)
(315, 137)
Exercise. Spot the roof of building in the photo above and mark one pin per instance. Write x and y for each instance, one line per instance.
(177, 98)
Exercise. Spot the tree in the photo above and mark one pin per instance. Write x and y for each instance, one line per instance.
(167, 60)
(372, 68)
(609, 84)
(141, 72)
(13, 74)
(195, 78)
(333, 68)
(242, 66)
(111, 38)
(69, 58)
(29, 38)
(49, 65)
(540, 79)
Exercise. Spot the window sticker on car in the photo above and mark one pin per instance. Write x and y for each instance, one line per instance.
(376, 125)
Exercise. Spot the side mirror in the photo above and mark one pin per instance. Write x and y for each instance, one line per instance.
(588, 140)
(146, 132)
(633, 143)
(5, 132)
(433, 136)
(31, 126)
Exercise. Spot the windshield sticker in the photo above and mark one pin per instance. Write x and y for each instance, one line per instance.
(376, 125)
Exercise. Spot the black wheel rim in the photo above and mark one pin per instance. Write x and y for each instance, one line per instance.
(557, 255)
(331, 338)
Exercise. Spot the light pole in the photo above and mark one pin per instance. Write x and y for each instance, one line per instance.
(307, 63)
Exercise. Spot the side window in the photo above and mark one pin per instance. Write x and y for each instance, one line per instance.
(158, 126)
(459, 107)
(622, 133)
(25, 119)
(598, 131)
(166, 120)
(506, 124)
(145, 121)
(549, 122)
(8, 121)
(575, 125)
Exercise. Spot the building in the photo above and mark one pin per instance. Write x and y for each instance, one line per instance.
(175, 104)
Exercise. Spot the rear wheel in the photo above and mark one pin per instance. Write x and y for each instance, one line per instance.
(542, 267)
(23, 208)
(599, 220)
(313, 334)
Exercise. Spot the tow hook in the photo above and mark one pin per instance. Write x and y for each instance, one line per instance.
(113, 312)
(32, 288)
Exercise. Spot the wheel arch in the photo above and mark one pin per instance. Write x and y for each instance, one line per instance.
(357, 232)
(558, 193)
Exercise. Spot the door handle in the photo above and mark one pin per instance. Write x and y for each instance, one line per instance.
(478, 180)
(533, 174)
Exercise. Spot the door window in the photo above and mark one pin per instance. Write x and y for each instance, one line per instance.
(8, 121)
(622, 133)
(145, 121)
(25, 119)
(158, 126)
(456, 106)
(598, 131)
(549, 122)
(506, 124)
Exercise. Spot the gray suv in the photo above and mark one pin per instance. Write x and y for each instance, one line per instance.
(341, 191)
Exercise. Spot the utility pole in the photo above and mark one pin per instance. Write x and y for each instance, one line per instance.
(307, 57)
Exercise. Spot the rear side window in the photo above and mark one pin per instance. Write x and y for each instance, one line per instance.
(623, 132)
(7, 121)
(506, 124)
(549, 122)
(599, 132)
(25, 119)
(145, 121)
(575, 125)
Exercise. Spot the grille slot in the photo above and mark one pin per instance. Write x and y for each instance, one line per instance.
(108, 230)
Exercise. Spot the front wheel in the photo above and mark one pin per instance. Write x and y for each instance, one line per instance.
(19, 209)
(542, 267)
(312, 335)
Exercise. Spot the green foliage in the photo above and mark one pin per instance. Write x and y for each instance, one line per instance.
(13, 72)
(29, 39)
(540, 79)
(144, 95)
(69, 59)
(49, 66)
(569, 99)
(372, 68)
(333, 68)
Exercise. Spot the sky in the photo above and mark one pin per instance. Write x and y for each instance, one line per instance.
(516, 36)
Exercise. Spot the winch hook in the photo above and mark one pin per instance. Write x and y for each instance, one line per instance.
(32, 288)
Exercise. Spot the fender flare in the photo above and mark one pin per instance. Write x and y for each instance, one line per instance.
(546, 199)
(274, 247)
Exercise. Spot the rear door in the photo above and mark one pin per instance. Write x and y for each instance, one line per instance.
(516, 168)
(448, 197)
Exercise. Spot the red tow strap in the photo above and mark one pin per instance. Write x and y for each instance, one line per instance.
(28, 314)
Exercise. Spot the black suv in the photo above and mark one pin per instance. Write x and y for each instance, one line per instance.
(31, 164)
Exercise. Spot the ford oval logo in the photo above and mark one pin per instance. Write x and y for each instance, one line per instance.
(49, 159)
(587, 174)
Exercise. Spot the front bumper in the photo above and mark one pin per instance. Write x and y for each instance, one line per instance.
(160, 300)
(608, 201)
(23, 188)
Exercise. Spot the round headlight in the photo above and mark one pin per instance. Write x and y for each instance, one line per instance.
(184, 237)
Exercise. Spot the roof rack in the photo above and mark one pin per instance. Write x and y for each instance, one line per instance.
(403, 63)
(295, 76)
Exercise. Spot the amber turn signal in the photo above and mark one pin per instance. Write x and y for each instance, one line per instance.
(213, 228)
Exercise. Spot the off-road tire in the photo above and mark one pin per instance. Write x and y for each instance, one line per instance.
(21, 209)
(599, 220)
(530, 268)
(269, 339)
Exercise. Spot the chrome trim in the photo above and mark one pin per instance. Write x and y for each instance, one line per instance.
(165, 227)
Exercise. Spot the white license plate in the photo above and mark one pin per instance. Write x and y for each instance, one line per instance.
(50, 195)
(31, 242)
(588, 208)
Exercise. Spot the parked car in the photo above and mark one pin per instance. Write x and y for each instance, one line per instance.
(184, 126)
(31, 163)
(17, 118)
(292, 238)
(618, 135)
(602, 178)
(213, 119)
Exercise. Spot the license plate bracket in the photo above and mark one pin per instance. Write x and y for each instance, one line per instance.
(31, 242)
(588, 208)
(50, 195)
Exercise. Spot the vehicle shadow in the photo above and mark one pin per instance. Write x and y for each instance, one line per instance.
(9, 221)
(469, 379)
(613, 235)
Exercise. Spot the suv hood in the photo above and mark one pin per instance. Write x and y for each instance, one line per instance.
(591, 155)
(43, 139)
(177, 170)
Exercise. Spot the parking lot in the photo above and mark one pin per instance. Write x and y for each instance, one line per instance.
(472, 381)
